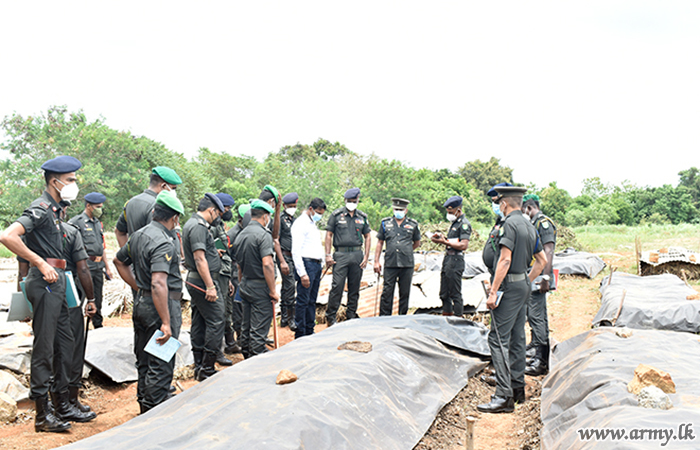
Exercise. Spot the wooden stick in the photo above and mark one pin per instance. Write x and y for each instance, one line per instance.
(619, 309)
(638, 251)
(469, 441)
(612, 271)
(376, 297)
(274, 325)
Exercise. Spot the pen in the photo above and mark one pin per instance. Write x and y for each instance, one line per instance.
(48, 289)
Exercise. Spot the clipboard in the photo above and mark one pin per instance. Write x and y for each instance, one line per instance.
(20, 308)
(72, 297)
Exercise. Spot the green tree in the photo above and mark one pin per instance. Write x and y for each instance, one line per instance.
(486, 174)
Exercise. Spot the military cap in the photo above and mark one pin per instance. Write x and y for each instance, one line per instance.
(271, 189)
(95, 198)
(244, 208)
(226, 199)
(62, 164)
(215, 200)
(165, 198)
(534, 197)
(167, 174)
(399, 203)
(510, 191)
(492, 192)
(453, 202)
(290, 198)
(352, 193)
(259, 204)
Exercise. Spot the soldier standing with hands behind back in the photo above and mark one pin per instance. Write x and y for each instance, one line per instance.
(402, 237)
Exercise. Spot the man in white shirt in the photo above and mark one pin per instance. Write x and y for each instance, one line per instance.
(307, 253)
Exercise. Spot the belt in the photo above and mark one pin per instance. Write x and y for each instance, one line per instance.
(511, 277)
(194, 274)
(286, 253)
(311, 259)
(348, 249)
(95, 258)
(55, 263)
(172, 295)
(450, 251)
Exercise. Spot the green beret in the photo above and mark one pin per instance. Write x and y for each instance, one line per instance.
(259, 204)
(244, 208)
(273, 191)
(534, 197)
(165, 198)
(167, 174)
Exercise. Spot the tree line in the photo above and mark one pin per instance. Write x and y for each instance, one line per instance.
(118, 164)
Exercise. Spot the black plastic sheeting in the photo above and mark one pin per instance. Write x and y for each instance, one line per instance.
(571, 262)
(387, 398)
(111, 351)
(652, 302)
(587, 387)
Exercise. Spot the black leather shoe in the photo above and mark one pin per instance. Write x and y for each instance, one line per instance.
(232, 349)
(531, 350)
(498, 404)
(223, 361)
(45, 418)
(536, 368)
(172, 389)
(64, 410)
(519, 395)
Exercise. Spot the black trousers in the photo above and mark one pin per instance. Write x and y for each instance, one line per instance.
(98, 281)
(451, 284)
(392, 275)
(207, 329)
(346, 268)
(257, 315)
(288, 290)
(52, 331)
(155, 375)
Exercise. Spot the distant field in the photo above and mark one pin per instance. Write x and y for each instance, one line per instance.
(616, 238)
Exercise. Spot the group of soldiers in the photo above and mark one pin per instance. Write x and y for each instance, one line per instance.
(231, 277)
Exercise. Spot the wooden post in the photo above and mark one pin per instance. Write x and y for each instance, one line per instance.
(619, 309)
(638, 252)
(612, 271)
(469, 442)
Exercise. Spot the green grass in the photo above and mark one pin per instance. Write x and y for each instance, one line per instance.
(5, 253)
(620, 238)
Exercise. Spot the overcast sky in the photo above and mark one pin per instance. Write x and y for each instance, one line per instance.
(559, 91)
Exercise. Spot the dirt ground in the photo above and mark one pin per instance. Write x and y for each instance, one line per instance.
(571, 310)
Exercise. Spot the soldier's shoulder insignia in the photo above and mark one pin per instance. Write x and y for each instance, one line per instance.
(361, 214)
(545, 224)
(465, 226)
(500, 231)
(337, 211)
(44, 205)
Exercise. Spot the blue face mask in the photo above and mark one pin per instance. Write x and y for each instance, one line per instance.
(316, 217)
(399, 214)
(497, 209)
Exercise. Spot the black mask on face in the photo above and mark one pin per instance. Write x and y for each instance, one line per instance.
(228, 215)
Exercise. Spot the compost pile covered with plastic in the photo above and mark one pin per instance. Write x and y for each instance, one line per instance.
(571, 262)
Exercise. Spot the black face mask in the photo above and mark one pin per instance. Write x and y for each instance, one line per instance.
(228, 215)
(216, 222)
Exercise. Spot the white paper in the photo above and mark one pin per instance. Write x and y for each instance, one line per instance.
(165, 351)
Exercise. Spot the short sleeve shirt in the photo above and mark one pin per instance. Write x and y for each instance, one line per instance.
(196, 236)
(399, 241)
(43, 227)
(286, 222)
(151, 249)
(75, 250)
(252, 245)
(460, 228)
(219, 232)
(92, 233)
(520, 236)
(348, 230)
(491, 246)
(545, 227)
(137, 213)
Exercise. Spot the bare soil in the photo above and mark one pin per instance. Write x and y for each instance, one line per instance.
(571, 310)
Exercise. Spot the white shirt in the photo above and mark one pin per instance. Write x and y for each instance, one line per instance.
(306, 242)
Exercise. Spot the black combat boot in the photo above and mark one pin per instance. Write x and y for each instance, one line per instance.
(198, 355)
(74, 398)
(283, 316)
(519, 395)
(208, 369)
(45, 418)
(231, 344)
(498, 404)
(64, 410)
(222, 359)
(292, 321)
(538, 364)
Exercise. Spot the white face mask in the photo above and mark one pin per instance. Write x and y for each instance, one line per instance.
(267, 222)
(451, 217)
(172, 191)
(351, 206)
(291, 211)
(316, 217)
(69, 191)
